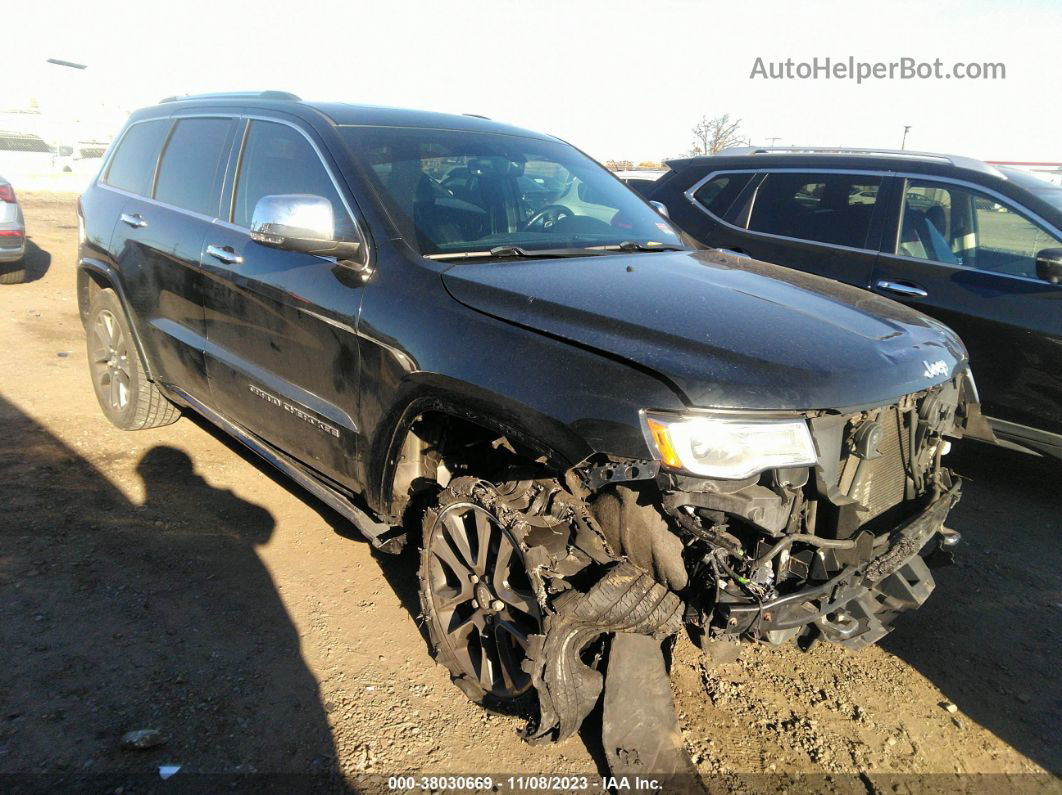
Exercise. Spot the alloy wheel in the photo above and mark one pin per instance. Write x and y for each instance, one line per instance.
(483, 602)
(111, 368)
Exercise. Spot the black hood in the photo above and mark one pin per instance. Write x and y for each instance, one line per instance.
(725, 332)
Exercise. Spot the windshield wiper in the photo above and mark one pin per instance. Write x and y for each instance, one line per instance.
(499, 252)
(634, 245)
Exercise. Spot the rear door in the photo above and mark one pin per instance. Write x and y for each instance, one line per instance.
(282, 350)
(820, 221)
(159, 236)
(966, 256)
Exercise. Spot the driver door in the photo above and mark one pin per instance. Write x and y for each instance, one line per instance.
(282, 356)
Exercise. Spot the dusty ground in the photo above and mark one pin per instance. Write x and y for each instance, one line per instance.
(164, 580)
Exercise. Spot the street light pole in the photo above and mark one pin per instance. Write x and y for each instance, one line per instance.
(69, 64)
(66, 128)
(906, 129)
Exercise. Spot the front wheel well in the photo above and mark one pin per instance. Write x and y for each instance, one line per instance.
(438, 446)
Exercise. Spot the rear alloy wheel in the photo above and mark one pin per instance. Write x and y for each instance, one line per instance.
(477, 599)
(128, 399)
(110, 360)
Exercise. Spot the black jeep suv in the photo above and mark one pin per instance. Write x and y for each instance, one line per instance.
(444, 323)
(977, 246)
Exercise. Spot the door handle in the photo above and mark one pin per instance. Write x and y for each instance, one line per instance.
(901, 288)
(224, 253)
(134, 220)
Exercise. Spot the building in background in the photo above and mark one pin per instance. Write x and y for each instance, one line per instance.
(54, 121)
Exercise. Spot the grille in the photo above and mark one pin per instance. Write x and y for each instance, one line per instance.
(883, 480)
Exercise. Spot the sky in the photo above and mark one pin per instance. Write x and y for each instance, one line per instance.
(619, 79)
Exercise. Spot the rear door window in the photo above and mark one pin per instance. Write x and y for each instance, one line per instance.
(192, 165)
(133, 164)
(824, 208)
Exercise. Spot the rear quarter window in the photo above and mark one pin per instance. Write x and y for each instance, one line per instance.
(133, 164)
(719, 193)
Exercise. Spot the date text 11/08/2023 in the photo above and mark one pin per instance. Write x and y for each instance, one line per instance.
(545, 783)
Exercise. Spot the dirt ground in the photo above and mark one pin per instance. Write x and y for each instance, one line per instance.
(165, 580)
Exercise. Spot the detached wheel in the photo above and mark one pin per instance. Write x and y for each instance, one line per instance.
(128, 399)
(477, 600)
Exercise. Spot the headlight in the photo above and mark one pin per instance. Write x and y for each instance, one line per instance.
(728, 447)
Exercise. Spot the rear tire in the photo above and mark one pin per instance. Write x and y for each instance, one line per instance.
(14, 277)
(128, 399)
(476, 598)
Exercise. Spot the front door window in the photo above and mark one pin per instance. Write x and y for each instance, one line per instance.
(966, 228)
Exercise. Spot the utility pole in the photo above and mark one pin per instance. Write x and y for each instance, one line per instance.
(906, 129)
(772, 139)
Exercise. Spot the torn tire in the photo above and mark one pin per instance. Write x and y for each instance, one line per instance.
(626, 599)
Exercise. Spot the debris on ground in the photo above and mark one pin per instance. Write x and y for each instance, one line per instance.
(142, 739)
(640, 729)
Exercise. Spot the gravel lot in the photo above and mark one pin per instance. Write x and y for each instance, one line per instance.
(164, 580)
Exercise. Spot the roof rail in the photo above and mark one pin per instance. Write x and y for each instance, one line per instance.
(235, 95)
(958, 161)
(476, 116)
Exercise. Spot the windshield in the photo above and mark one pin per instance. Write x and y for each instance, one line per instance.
(451, 192)
(1052, 196)
(1048, 191)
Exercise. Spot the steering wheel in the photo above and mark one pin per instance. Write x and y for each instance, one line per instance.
(548, 216)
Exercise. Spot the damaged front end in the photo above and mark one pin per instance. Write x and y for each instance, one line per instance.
(828, 551)
(826, 532)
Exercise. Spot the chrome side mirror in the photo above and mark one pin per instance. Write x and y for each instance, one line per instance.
(299, 222)
(660, 207)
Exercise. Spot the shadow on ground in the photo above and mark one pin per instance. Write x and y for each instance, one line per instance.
(991, 636)
(37, 261)
(34, 264)
(119, 617)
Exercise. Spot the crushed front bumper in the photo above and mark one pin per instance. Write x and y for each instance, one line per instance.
(855, 607)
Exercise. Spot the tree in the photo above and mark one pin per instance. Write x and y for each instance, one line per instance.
(651, 164)
(711, 136)
(619, 165)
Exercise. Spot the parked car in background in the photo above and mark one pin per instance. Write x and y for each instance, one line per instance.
(640, 179)
(83, 157)
(976, 246)
(12, 236)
